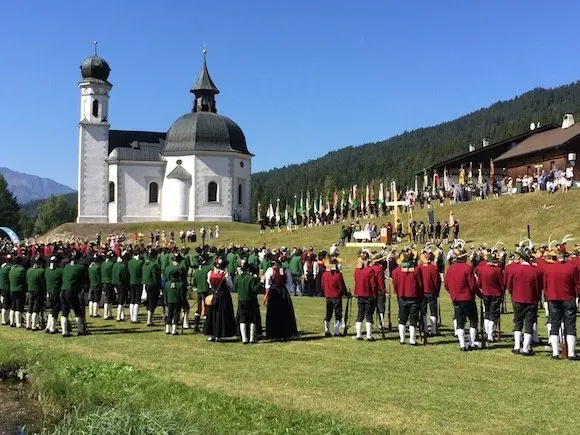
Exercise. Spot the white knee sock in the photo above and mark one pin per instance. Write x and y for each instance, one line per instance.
(167, 328)
(472, 336)
(27, 320)
(4, 316)
(337, 327)
(412, 334)
(243, 332)
(527, 342)
(326, 326)
(571, 341)
(555, 341)
(402, 333)
(486, 326)
(96, 308)
(491, 327)
(149, 317)
(11, 317)
(358, 327)
(79, 323)
(63, 325)
(18, 317)
(48, 322)
(433, 324)
(461, 336)
(369, 327)
(174, 328)
(252, 332)
(535, 333)
(106, 311)
(455, 327)
(34, 321)
(546, 309)
(517, 340)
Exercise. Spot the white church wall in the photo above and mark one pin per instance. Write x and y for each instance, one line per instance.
(113, 210)
(242, 175)
(219, 169)
(175, 200)
(93, 176)
(134, 180)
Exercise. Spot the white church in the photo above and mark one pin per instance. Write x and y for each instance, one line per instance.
(198, 171)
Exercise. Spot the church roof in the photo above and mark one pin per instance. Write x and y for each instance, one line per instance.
(124, 138)
(179, 173)
(204, 131)
(135, 145)
(204, 82)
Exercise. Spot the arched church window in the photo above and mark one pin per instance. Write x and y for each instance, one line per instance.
(212, 192)
(153, 193)
(95, 108)
(111, 191)
(240, 194)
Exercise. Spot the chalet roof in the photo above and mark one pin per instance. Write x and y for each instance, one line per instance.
(542, 141)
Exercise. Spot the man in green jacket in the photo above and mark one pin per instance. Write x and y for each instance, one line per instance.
(135, 285)
(151, 278)
(17, 278)
(96, 285)
(74, 279)
(53, 279)
(107, 283)
(177, 264)
(36, 287)
(5, 266)
(173, 298)
(296, 268)
(121, 280)
(247, 286)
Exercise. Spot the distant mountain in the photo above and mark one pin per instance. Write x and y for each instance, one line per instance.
(28, 187)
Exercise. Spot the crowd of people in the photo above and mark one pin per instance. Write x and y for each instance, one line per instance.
(66, 277)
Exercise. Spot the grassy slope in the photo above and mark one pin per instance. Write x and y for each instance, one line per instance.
(374, 386)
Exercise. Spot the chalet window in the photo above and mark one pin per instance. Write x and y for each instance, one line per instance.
(95, 108)
(111, 191)
(212, 192)
(153, 193)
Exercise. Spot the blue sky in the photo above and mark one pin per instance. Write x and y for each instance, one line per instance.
(300, 77)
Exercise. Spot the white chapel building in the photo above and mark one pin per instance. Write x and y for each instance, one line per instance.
(198, 171)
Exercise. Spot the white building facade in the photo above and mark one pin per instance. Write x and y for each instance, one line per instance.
(200, 170)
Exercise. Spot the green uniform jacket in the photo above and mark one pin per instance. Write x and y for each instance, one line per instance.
(232, 263)
(135, 271)
(247, 287)
(170, 268)
(264, 265)
(296, 267)
(35, 279)
(200, 279)
(193, 260)
(120, 275)
(74, 278)
(107, 272)
(163, 260)
(4, 281)
(253, 260)
(172, 294)
(53, 278)
(17, 277)
(151, 273)
(95, 275)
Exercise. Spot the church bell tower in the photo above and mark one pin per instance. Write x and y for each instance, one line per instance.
(94, 193)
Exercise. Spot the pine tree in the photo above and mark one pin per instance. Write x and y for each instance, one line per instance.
(52, 213)
(9, 208)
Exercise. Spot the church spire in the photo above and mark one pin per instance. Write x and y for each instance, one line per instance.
(204, 90)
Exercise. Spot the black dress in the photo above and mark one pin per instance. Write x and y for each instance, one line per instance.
(280, 317)
(220, 321)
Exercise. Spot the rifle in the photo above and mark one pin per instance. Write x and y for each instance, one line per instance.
(389, 313)
(346, 311)
(481, 323)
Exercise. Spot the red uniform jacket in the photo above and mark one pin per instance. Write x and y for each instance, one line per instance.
(524, 283)
(460, 282)
(490, 279)
(365, 282)
(431, 278)
(333, 284)
(408, 284)
(380, 277)
(561, 281)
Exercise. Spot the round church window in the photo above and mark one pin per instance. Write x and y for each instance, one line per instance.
(179, 162)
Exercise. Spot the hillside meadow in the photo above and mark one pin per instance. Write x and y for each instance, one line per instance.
(127, 378)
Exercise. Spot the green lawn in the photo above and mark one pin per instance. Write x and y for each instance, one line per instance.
(125, 378)
(314, 385)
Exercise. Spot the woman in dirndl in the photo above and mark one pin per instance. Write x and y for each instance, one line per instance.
(220, 321)
(280, 317)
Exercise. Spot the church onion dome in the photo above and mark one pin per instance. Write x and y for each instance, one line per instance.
(95, 67)
(204, 131)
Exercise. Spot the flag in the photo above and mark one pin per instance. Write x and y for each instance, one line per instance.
(462, 176)
(335, 199)
(301, 202)
(307, 203)
(342, 201)
(491, 168)
(416, 185)
(425, 180)
(446, 184)
(368, 196)
(434, 188)
(294, 216)
(315, 201)
(286, 214)
(381, 194)
(470, 173)
(270, 213)
(480, 175)
(278, 209)
(320, 204)
(259, 210)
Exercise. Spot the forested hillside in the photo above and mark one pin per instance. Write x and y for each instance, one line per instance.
(401, 156)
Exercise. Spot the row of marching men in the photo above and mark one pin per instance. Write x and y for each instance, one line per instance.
(416, 279)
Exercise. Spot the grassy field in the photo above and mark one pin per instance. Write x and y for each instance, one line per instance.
(131, 379)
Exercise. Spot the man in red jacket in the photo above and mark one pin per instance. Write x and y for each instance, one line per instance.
(334, 288)
(462, 287)
(431, 287)
(524, 282)
(382, 293)
(408, 287)
(491, 282)
(562, 285)
(365, 289)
